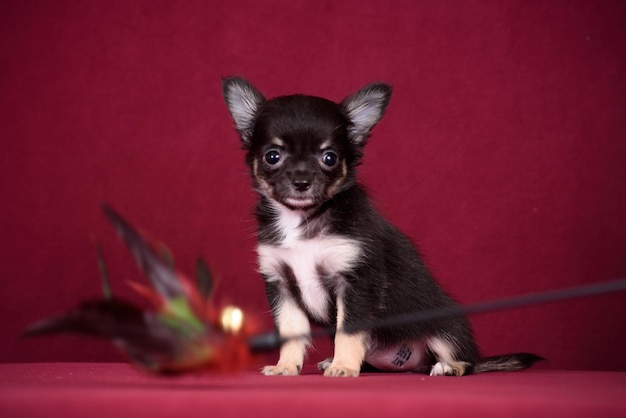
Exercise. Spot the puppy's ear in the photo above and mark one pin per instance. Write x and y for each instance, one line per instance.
(364, 109)
(243, 101)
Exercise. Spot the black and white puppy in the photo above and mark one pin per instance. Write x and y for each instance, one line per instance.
(326, 255)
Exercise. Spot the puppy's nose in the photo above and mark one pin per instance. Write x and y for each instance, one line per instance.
(301, 185)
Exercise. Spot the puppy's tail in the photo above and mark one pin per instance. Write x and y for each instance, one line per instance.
(506, 362)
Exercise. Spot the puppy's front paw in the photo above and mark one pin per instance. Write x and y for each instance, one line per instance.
(340, 371)
(281, 370)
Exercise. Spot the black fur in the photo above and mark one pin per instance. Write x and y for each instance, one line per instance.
(290, 142)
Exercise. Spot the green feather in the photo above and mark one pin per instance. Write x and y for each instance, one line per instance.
(178, 315)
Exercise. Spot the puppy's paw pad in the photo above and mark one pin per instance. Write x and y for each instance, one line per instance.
(280, 370)
(335, 371)
(325, 364)
(442, 369)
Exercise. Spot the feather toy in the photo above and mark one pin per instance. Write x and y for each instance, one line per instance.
(184, 331)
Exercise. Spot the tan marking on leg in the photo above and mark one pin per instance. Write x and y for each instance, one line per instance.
(446, 364)
(290, 321)
(350, 349)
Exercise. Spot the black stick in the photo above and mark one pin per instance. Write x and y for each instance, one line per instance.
(272, 340)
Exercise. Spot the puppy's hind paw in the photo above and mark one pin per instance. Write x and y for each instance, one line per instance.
(281, 370)
(325, 364)
(444, 369)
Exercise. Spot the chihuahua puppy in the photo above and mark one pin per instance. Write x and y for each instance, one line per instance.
(326, 255)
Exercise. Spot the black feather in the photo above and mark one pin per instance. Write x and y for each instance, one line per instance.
(144, 337)
(162, 276)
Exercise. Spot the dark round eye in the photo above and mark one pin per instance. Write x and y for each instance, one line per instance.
(329, 158)
(272, 157)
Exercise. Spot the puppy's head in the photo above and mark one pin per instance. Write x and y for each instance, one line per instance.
(303, 150)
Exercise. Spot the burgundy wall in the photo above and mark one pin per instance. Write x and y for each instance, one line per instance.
(502, 152)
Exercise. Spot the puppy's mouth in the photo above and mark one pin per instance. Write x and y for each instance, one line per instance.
(299, 202)
(292, 199)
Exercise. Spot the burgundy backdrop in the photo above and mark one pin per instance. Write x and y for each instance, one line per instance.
(502, 152)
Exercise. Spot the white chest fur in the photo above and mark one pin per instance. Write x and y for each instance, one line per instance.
(330, 254)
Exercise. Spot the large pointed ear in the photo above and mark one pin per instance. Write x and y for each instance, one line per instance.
(243, 101)
(364, 109)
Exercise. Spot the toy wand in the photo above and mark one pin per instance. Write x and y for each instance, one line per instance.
(185, 331)
(272, 340)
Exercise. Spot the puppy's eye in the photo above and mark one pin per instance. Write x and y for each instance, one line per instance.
(329, 158)
(272, 157)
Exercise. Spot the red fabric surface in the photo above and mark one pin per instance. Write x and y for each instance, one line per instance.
(502, 152)
(106, 390)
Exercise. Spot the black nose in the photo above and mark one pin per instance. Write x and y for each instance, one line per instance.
(301, 185)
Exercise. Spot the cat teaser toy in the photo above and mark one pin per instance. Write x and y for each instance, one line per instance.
(183, 331)
(186, 331)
